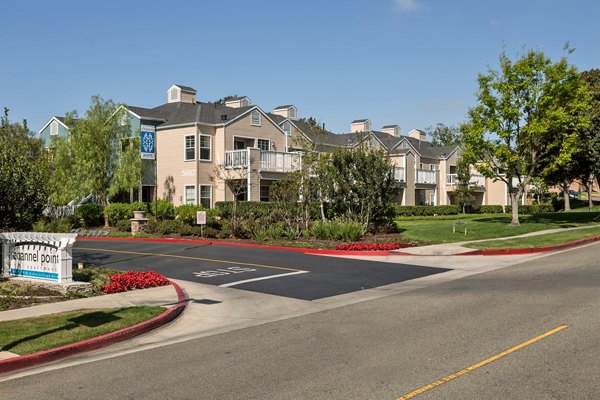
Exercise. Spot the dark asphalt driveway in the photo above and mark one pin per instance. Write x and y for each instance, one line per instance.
(277, 272)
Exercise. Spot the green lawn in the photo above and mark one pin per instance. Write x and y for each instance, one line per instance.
(550, 239)
(436, 230)
(30, 335)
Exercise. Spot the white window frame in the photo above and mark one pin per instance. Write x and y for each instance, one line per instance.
(185, 148)
(54, 128)
(252, 115)
(268, 144)
(209, 147)
(293, 112)
(209, 197)
(287, 128)
(185, 200)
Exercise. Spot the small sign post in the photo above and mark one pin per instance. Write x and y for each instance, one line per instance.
(201, 220)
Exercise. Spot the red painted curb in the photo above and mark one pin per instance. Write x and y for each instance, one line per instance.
(249, 245)
(45, 356)
(502, 252)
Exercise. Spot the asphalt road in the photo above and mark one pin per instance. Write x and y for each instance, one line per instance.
(380, 349)
(282, 273)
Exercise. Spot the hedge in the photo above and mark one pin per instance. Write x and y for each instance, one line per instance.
(417, 211)
(259, 209)
(119, 211)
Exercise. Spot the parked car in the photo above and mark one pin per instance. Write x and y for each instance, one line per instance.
(573, 194)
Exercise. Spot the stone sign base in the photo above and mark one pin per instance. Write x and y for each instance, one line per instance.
(64, 288)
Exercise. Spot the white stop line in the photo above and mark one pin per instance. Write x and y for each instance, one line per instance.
(262, 278)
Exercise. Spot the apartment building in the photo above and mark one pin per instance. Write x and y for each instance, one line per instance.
(199, 145)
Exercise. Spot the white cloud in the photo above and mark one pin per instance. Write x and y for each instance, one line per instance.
(408, 6)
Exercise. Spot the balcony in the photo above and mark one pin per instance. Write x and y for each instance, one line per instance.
(426, 176)
(274, 161)
(476, 180)
(236, 158)
(399, 174)
(270, 161)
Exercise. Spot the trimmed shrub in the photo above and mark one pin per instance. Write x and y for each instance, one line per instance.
(187, 213)
(123, 225)
(417, 211)
(260, 209)
(165, 209)
(168, 226)
(187, 230)
(56, 225)
(119, 211)
(90, 215)
(210, 232)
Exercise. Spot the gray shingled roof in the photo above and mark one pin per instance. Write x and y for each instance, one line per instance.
(359, 120)
(186, 89)
(188, 113)
(426, 149)
(390, 126)
(284, 107)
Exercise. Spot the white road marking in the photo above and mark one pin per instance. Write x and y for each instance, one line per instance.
(261, 278)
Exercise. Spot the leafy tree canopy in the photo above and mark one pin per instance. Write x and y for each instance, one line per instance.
(24, 173)
(529, 110)
(444, 135)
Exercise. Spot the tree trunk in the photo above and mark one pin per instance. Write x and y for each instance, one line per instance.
(234, 216)
(103, 204)
(566, 196)
(514, 202)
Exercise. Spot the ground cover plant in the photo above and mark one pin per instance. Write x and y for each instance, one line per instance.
(17, 294)
(131, 280)
(30, 335)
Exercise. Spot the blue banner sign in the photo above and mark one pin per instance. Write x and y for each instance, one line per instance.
(148, 143)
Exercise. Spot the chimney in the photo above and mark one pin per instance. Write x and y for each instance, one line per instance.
(393, 130)
(360, 125)
(181, 94)
(238, 102)
(287, 111)
(418, 134)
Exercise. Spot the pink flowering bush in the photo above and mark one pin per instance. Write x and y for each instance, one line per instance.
(372, 246)
(134, 280)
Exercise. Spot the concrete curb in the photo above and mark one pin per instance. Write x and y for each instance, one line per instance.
(45, 356)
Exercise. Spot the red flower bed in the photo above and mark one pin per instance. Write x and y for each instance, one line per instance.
(372, 246)
(134, 280)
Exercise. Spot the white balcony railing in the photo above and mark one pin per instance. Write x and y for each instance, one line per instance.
(400, 174)
(236, 158)
(274, 161)
(425, 176)
(476, 180)
(271, 161)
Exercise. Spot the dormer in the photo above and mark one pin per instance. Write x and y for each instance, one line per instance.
(237, 102)
(288, 111)
(181, 94)
(418, 134)
(360, 125)
(393, 130)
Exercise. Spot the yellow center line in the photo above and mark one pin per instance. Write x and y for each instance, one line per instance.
(190, 258)
(481, 364)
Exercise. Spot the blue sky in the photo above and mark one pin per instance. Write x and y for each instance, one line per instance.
(410, 62)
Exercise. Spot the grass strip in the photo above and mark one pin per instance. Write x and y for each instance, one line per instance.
(30, 335)
(550, 239)
(491, 226)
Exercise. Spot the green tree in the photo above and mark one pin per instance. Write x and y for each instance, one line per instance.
(463, 191)
(24, 173)
(588, 158)
(359, 184)
(223, 100)
(444, 135)
(96, 149)
(529, 110)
